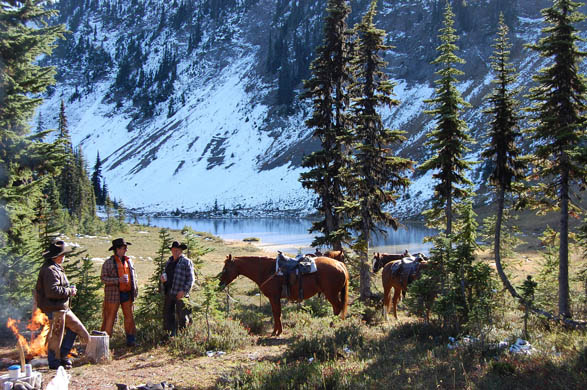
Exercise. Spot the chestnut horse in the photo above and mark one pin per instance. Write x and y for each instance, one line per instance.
(331, 279)
(399, 282)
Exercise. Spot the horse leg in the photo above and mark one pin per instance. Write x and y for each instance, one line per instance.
(386, 300)
(276, 309)
(396, 296)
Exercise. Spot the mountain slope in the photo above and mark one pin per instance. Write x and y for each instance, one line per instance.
(192, 104)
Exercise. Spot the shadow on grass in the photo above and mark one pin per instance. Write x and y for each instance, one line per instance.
(411, 356)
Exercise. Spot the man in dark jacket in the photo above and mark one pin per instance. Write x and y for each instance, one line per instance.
(177, 279)
(120, 290)
(52, 293)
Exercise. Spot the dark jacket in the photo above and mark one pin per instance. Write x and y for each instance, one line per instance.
(52, 288)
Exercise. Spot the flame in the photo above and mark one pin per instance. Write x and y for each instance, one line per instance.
(38, 343)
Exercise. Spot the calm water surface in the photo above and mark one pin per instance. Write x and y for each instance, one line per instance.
(291, 234)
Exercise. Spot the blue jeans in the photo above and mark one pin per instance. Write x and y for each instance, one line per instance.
(66, 346)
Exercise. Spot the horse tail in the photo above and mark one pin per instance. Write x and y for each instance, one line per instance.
(344, 295)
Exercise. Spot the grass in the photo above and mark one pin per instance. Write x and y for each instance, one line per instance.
(361, 352)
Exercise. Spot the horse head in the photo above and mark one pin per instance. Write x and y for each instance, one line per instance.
(229, 272)
(377, 262)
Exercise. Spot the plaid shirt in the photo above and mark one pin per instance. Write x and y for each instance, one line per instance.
(111, 282)
(183, 277)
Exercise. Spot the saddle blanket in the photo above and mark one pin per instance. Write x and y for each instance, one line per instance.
(300, 264)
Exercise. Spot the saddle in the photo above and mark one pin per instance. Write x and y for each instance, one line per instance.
(292, 270)
(406, 269)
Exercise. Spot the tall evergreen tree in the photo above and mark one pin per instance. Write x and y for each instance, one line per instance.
(377, 173)
(503, 152)
(67, 177)
(25, 162)
(97, 180)
(450, 136)
(559, 103)
(327, 89)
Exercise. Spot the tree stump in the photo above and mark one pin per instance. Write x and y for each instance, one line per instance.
(98, 349)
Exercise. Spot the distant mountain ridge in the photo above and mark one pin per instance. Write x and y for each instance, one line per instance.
(193, 104)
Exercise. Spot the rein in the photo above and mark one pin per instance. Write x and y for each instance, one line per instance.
(266, 280)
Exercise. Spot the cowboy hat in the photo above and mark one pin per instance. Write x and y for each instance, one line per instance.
(56, 249)
(181, 246)
(119, 242)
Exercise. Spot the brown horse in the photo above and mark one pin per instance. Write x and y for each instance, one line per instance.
(336, 255)
(393, 276)
(380, 259)
(331, 279)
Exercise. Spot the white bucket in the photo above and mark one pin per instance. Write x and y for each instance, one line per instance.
(14, 371)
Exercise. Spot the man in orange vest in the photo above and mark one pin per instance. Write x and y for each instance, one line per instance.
(120, 290)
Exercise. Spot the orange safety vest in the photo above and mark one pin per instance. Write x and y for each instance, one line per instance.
(123, 269)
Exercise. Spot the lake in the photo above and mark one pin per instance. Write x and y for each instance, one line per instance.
(291, 235)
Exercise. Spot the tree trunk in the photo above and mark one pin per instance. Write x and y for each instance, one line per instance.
(449, 214)
(563, 265)
(497, 244)
(365, 268)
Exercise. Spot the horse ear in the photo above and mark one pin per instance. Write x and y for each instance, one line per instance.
(229, 258)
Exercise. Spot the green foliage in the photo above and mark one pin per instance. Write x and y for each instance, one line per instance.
(219, 335)
(87, 304)
(327, 90)
(149, 314)
(254, 322)
(25, 161)
(327, 344)
(376, 174)
(546, 293)
(560, 135)
(449, 138)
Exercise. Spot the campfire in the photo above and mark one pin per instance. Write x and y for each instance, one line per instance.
(39, 329)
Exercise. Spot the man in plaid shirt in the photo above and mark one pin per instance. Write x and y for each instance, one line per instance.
(177, 279)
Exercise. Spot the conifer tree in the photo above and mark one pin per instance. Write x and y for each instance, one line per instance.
(97, 180)
(377, 173)
(559, 105)
(449, 138)
(503, 152)
(87, 302)
(25, 161)
(327, 90)
(67, 177)
(150, 310)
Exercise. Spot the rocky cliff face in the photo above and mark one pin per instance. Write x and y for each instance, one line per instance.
(193, 103)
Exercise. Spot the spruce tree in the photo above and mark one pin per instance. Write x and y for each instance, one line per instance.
(150, 308)
(503, 152)
(559, 105)
(97, 180)
(376, 173)
(25, 161)
(327, 90)
(449, 138)
(87, 302)
(67, 177)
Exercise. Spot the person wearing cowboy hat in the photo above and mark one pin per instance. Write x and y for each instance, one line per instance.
(178, 278)
(53, 292)
(120, 290)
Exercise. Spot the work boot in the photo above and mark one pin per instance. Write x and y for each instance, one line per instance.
(131, 340)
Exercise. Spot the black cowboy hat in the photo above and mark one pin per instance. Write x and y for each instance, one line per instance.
(119, 242)
(57, 248)
(181, 246)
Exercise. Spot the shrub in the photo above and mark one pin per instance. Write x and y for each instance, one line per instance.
(225, 335)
